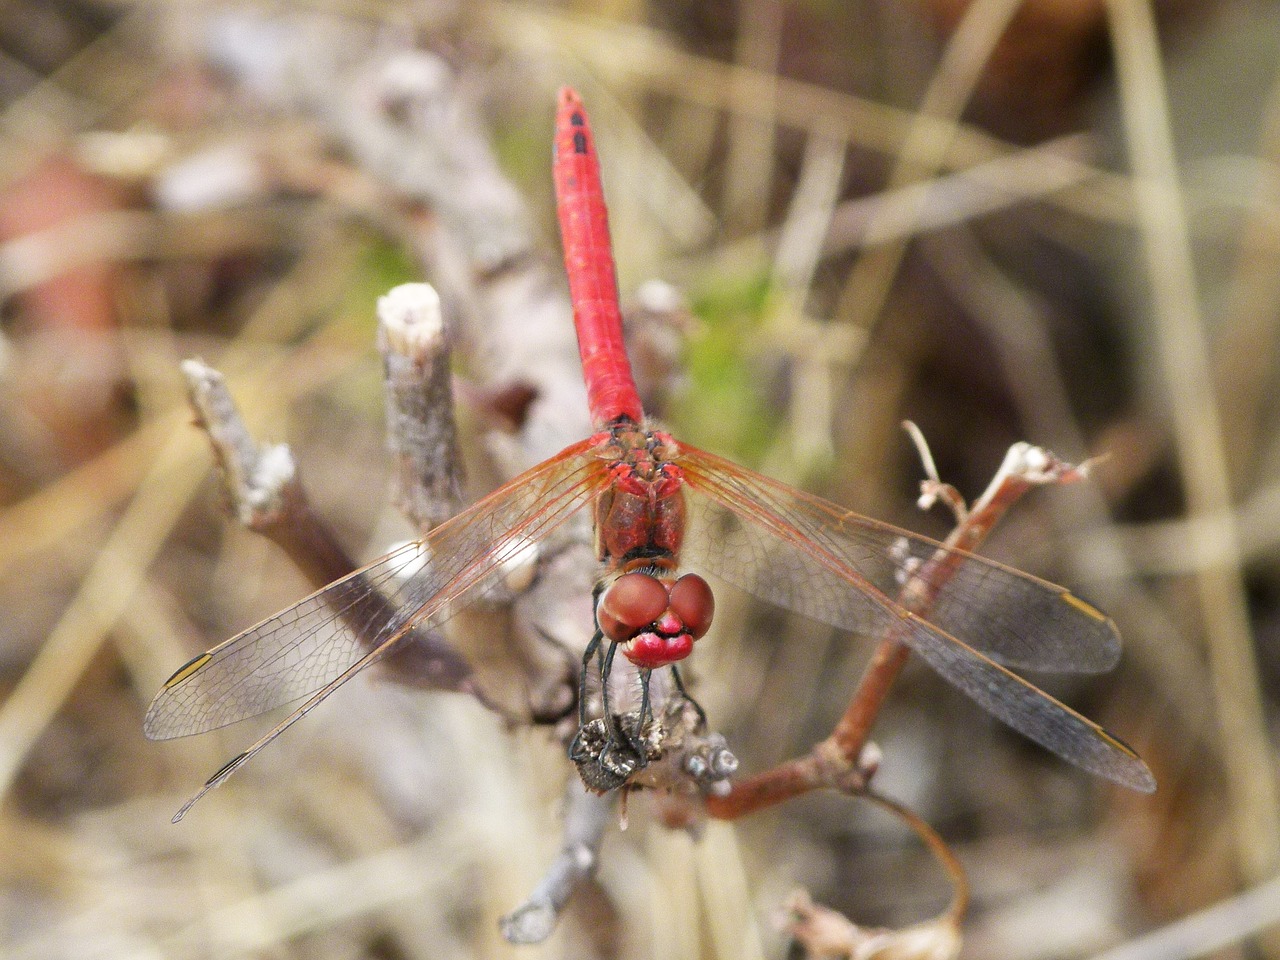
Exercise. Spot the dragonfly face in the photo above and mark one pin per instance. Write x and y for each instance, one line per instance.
(655, 618)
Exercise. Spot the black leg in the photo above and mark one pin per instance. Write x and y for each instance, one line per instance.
(644, 701)
(702, 714)
(621, 737)
(606, 759)
(593, 648)
(606, 667)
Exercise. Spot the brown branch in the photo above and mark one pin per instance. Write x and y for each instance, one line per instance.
(844, 760)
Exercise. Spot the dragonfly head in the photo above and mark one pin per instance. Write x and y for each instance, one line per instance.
(656, 618)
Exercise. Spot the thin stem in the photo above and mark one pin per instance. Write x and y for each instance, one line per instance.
(587, 815)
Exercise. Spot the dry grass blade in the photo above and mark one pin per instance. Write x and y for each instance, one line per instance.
(924, 151)
(117, 573)
(632, 54)
(1246, 352)
(1222, 926)
(1198, 438)
(749, 164)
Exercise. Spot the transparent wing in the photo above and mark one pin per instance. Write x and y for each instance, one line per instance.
(356, 619)
(1012, 617)
(809, 555)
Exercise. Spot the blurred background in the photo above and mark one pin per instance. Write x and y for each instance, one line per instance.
(1039, 220)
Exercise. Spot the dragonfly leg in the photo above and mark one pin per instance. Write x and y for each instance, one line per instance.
(593, 650)
(702, 714)
(606, 751)
(644, 701)
(606, 667)
(620, 737)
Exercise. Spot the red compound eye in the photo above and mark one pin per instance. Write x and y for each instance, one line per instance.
(692, 601)
(630, 603)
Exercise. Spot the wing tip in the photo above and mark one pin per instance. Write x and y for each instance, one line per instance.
(153, 726)
(1136, 776)
(216, 780)
(1134, 772)
(187, 669)
(1088, 609)
(1147, 784)
(1106, 654)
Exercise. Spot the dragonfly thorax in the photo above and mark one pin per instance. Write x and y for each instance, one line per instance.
(641, 514)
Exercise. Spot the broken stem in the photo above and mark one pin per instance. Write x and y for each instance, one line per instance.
(419, 399)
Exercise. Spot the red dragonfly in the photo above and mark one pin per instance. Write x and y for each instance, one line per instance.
(645, 491)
